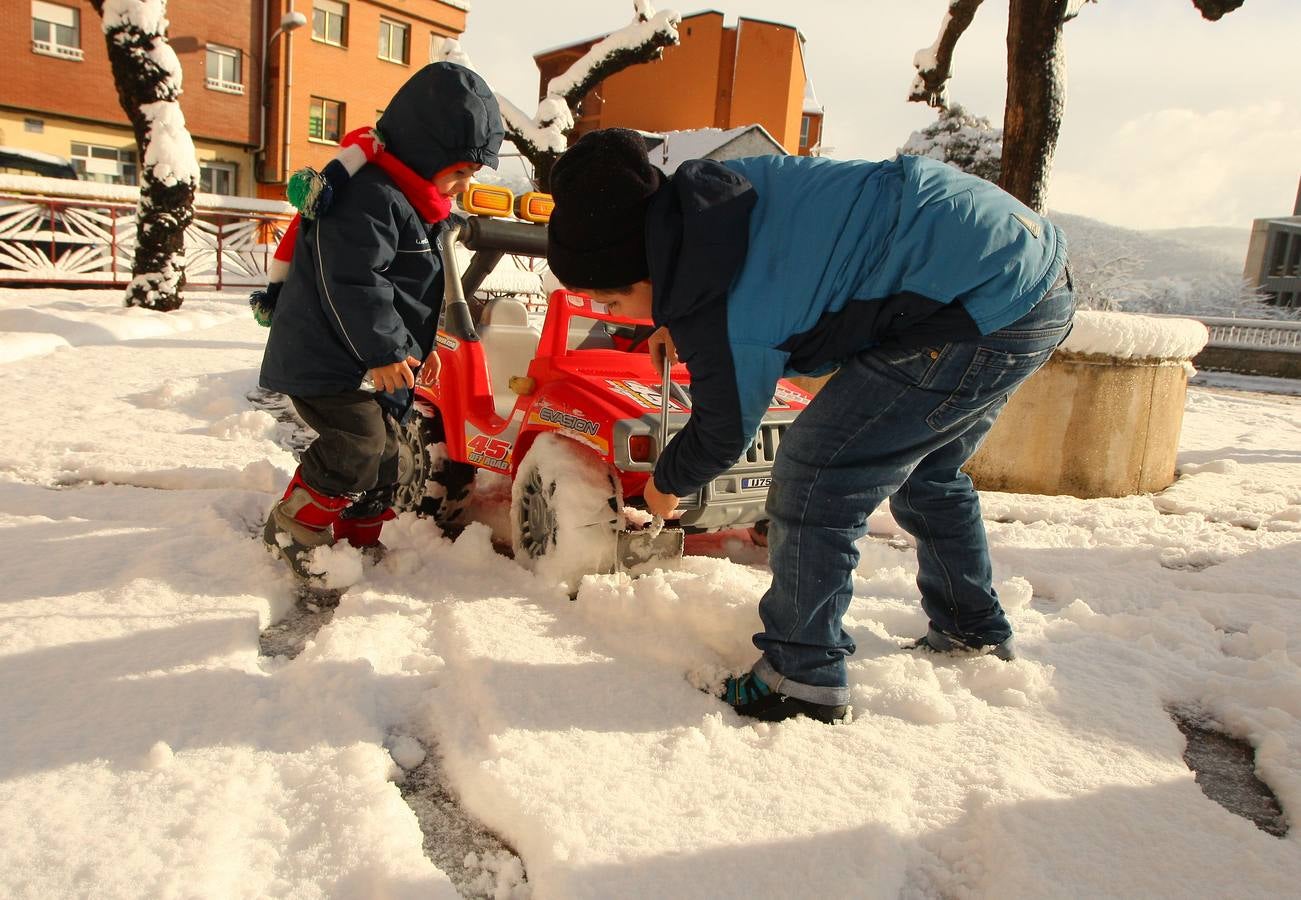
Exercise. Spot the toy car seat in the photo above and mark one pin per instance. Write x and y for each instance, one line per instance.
(509, 344)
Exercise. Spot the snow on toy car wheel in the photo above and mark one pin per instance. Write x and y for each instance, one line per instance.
(432, 484)
(566, 512)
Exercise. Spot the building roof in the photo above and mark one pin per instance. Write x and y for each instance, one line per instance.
(584, 42)
(670, 149)
(811, 104)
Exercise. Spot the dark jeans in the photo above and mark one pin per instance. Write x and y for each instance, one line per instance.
(897, 424)
(357, 450)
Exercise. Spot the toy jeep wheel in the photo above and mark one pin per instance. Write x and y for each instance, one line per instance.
(566, 512)
(432, 484)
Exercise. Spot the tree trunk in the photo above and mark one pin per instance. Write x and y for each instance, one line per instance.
(1036, 87)
(148, 78)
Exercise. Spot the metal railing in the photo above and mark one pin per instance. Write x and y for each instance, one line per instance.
(90, 241)
(1253, 334)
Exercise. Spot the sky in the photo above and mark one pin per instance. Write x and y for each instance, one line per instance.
(1171, 121)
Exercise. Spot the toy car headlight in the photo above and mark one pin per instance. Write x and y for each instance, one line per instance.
(487, 200)
(534, 207)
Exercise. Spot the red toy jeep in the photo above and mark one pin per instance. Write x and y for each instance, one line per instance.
(569, 412)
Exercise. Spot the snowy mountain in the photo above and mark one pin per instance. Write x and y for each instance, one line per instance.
(1183, 271)
(1164, 253)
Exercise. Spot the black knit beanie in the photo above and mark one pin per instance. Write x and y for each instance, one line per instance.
(597, 234)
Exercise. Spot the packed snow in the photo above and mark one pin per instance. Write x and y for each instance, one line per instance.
(1130, 336)
(150, 752)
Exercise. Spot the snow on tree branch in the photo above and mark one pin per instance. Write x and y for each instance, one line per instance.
(542, 137)
(934, 63)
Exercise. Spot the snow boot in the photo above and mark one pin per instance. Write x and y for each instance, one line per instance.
(299, 523)
(936, 641)
(360, 524)
(750, 696)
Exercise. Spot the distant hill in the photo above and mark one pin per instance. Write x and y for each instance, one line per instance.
(1185, 253)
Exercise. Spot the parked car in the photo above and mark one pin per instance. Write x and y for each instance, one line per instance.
(16, 161)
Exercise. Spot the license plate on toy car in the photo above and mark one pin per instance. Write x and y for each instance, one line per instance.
(760, 482)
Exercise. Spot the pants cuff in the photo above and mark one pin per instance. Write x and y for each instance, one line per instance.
(826, 695)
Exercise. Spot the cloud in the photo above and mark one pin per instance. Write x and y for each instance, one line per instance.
(1177, 167)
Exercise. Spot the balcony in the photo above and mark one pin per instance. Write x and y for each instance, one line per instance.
(49, 48)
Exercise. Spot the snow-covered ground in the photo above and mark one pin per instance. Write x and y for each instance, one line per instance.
(148, 751)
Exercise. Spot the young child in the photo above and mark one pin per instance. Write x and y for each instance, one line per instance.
(362, 297)
(934, 292)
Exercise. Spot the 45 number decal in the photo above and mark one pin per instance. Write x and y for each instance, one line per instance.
(491, 452)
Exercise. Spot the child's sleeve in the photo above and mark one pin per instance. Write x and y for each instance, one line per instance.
(352, 248)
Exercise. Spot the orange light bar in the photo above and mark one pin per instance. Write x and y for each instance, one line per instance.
(534, 206)
(488, 200)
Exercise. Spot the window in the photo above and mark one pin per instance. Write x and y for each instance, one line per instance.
(224, 69)
(805, 122)
(107, 165)
(393, 41)
(56, 30)
(325, 120)
(217, 178)
(330, 22)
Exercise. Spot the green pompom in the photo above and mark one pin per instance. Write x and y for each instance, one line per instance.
(309, 192)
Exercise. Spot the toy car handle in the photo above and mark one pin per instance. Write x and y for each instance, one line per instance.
(491, 239)
(456, 312)
(504, 235)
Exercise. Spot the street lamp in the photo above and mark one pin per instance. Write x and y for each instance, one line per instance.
(291, 21)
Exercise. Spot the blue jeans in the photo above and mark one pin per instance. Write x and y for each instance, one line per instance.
(898, 424)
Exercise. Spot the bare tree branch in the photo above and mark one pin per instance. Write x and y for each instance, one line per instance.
(934, 63)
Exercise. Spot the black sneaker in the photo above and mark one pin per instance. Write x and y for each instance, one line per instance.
(749, 696)
(935, 641)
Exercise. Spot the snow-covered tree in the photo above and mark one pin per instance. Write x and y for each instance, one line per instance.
(1104, 274)
(1035, 82)
(148, 78)
(541, 138)
(961, 139)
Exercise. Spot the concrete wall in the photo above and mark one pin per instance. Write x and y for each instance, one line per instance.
(1275, 363)
(1088, 427)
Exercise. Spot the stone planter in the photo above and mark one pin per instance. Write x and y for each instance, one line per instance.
(1088, 426)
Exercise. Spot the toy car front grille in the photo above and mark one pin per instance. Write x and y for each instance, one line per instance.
(766, 442)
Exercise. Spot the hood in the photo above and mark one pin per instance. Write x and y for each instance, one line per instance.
(697, 234)
(444, 114)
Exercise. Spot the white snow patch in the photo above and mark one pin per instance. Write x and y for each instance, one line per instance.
(1130, 336)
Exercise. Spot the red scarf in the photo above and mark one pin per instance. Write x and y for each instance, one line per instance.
(422, 194)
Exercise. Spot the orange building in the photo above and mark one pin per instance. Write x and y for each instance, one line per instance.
(322, 79)
(718, 77)
(336, 73)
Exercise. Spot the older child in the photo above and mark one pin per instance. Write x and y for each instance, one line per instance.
(362, 298)
(934, 292)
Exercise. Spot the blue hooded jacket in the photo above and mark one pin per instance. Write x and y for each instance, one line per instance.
(365, 287)
(776, 266)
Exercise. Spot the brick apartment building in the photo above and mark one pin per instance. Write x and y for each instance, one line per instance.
(334, 73)
(718, 77)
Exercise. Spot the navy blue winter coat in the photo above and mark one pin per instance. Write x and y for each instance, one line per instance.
(365, 287)
(790, 265)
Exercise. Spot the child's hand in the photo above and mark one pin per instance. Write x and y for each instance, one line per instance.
(659, 503)
(428, 375)
(659, 343)
(395, 376)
